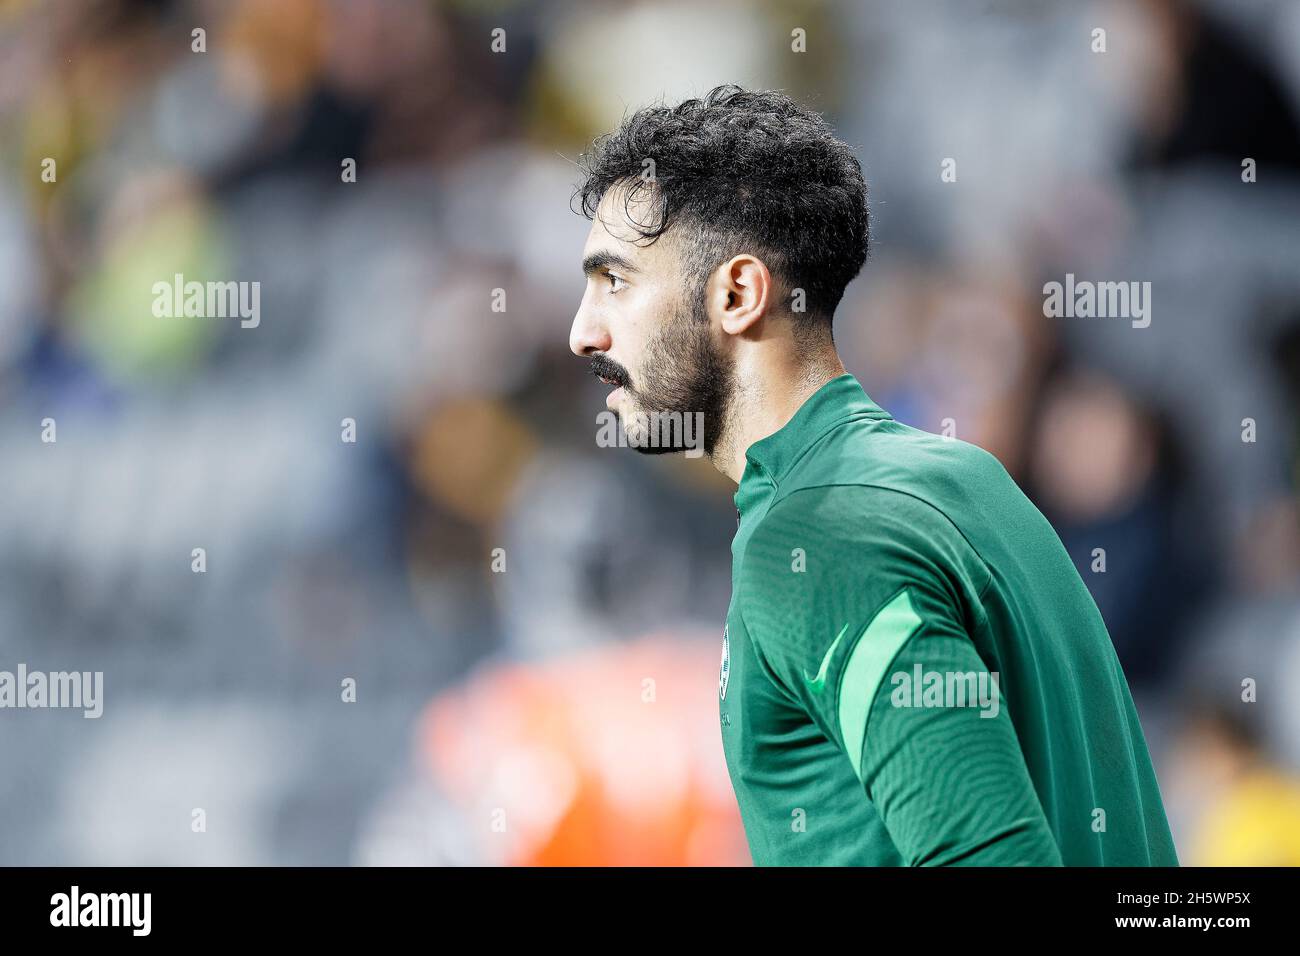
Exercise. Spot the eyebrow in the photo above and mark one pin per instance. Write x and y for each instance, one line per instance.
(604, 260)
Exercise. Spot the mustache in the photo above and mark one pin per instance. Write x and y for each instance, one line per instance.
(604, 367)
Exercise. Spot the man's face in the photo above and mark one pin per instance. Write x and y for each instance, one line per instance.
(647, 334)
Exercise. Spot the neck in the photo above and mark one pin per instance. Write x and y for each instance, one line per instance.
(766, 397)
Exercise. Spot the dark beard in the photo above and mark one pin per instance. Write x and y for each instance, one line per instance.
(683, 373)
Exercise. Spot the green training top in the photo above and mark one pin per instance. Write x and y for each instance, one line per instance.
(913, 672)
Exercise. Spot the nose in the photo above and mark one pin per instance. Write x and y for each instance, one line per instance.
(589, 334)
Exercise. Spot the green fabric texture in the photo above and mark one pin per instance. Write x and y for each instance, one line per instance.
(917, 673)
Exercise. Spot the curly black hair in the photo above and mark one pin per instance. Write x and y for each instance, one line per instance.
(741, 171)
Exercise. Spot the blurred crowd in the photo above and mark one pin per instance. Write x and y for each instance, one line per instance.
(533, 623)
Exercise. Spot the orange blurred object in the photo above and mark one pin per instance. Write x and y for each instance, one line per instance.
(608, 757)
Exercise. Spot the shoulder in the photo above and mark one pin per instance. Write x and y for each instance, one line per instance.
(852, 548)
(854, 520)
(945, 472)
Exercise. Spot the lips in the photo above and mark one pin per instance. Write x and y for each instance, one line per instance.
(616, 394)
(615, 381)
(608, 371)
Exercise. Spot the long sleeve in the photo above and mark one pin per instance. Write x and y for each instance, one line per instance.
(950, 782)
(862, 603)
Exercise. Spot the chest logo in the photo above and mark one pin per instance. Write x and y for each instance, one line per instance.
(725, 669)
(818, 684)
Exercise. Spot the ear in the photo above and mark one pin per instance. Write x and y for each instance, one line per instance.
(741, 291)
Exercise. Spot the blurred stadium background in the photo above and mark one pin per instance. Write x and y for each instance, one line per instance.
(522, 697)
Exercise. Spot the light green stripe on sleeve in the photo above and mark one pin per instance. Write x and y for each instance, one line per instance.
(878, 645)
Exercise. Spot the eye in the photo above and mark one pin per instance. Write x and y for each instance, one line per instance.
(616, 283)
